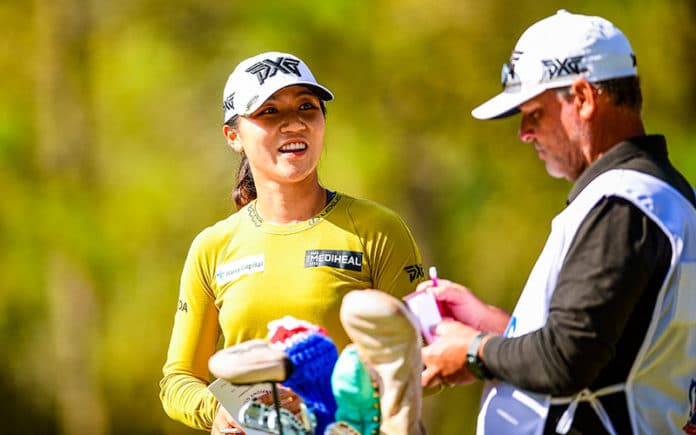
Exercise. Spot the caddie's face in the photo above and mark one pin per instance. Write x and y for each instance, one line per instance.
(284, 138)
(552, 124)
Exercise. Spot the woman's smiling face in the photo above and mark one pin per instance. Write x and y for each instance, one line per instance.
(284, 138)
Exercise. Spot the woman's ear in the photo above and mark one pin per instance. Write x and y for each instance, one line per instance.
(232, 137)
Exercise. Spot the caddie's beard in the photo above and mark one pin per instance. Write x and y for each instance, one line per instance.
(558, 168)
(554, 172)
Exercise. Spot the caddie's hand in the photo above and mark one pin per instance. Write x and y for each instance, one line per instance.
(224, 423)
(457, 301)
(445, 358)
(461, 304)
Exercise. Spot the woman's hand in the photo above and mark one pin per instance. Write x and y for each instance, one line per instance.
(288, 399)
(225, 424)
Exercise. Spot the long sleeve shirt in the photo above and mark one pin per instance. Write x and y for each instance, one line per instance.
(242, 273)
(604, 298)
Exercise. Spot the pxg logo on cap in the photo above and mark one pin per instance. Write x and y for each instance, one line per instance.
(553, 53)
(268, 68)
(255, 79)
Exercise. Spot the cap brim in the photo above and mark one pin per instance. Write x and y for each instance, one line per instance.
(505, 103)
(322, 92)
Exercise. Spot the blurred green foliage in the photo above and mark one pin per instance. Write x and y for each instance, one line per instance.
(112, 159)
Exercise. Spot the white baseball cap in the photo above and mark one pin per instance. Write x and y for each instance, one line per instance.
(553, 53)
(255, 79)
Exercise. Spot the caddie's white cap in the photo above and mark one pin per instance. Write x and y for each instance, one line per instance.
(553, 53)
(255, 79)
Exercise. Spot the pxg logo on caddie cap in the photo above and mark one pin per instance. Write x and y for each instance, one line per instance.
(568, 66)
(552, 69)
(553, 53)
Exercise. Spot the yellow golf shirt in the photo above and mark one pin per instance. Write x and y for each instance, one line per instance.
(241, 273)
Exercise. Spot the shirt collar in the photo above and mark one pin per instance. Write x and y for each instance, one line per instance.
(652, 145)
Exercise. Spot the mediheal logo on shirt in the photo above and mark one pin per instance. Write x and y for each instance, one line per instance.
(227, 272)
(349, 260)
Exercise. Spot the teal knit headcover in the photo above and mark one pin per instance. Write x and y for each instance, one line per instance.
(357, 396)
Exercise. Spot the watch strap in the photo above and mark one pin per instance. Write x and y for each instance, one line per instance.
(473, 362)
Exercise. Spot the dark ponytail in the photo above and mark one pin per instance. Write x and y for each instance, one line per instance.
(245, 190)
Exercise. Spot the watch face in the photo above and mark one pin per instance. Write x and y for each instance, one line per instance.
(475, 367)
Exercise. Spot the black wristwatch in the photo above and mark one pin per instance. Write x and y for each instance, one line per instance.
(473, 362)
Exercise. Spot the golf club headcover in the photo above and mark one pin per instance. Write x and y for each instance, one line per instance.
(250, 362)
(387, 338)
(356, 393)
(313, 355)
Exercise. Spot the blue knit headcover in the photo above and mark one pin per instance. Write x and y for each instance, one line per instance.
(313, 355)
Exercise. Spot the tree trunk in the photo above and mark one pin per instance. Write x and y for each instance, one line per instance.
(65, 164)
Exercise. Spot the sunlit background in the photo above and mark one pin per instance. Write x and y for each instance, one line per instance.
(112, 160)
